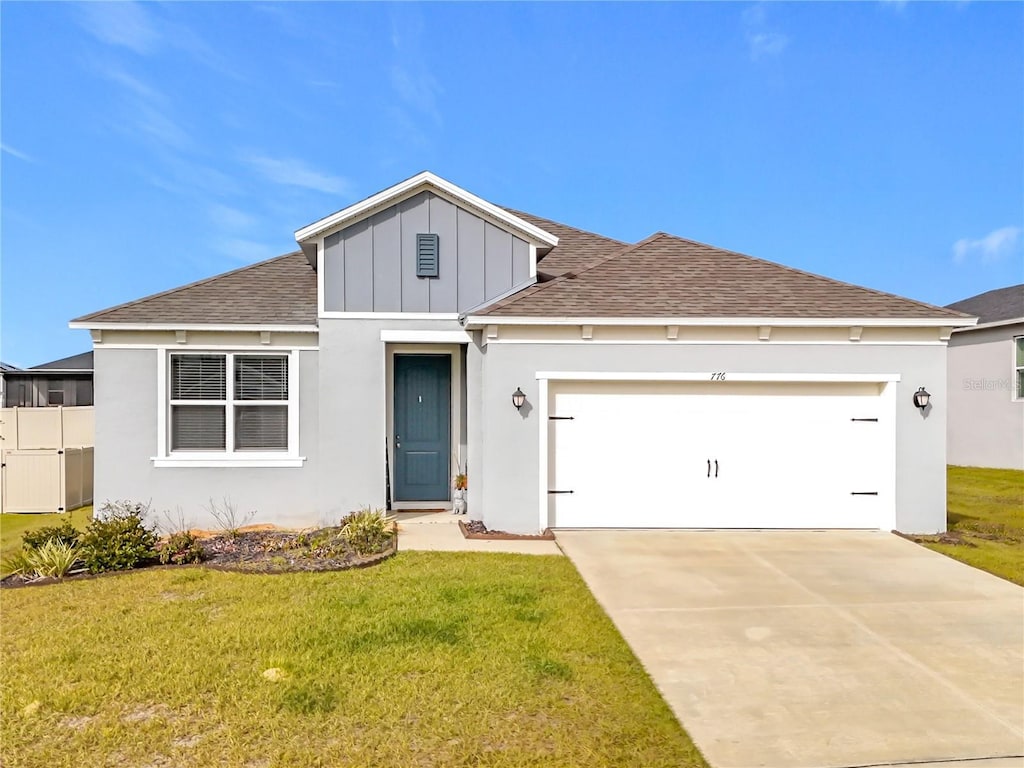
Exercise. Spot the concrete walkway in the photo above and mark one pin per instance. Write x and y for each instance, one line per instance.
(816, 649)
(439, 532)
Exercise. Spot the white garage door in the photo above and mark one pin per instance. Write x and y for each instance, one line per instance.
(719, 455)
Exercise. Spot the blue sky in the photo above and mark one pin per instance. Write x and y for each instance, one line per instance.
(149, 145)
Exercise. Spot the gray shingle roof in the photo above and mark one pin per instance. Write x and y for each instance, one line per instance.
(668, 276)
(80, 362)
(586, 275)
(282, 291)
(576, 248)
(994, 306)
(279, 291)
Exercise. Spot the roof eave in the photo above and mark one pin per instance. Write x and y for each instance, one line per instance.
(480, 321)
(107, 325)
(993, 324)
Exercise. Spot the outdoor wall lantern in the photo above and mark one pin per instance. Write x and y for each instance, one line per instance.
(518, 398)
(921, 398)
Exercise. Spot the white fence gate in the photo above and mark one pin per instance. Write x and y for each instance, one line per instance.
(46, 459)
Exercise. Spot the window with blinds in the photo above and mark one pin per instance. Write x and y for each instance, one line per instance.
(261, 379)
(222, 400)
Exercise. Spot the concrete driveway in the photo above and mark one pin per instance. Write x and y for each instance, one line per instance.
(810, 649)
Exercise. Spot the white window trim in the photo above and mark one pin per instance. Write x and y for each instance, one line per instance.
(164, 457)
(1016, 369)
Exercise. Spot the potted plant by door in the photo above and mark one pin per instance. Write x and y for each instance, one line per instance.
(459, 494)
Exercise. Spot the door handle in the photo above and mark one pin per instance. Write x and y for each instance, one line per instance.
(716, 467)
(398, 441)
(709, 467)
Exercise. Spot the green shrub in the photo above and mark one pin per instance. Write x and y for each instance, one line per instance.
(180, 548)
(118, 538)
(16, 564)
(54, 558)
(65, 533)
(367, 531)
(323, 543)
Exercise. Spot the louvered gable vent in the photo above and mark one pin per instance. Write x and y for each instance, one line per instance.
(426, 255)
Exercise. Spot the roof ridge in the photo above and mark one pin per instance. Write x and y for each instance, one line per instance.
(517, 212)
(536, 288)
(170, 291)
(805, 273)
(1007, 288)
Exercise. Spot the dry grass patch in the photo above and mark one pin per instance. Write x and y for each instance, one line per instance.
(428, 659)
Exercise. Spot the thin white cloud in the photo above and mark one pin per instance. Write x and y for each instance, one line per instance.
(161, 128)
(9, 150)
(178, 175)
(226, 217)
(147, 113)
(992, 247)
(417, 88)
(763, 39)
(135, 26)
(125, 24)
(131, 83)
(248, 251)
(295, 173)
(764, 44)
(411, 79)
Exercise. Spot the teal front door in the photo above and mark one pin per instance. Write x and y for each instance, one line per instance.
(422, 418)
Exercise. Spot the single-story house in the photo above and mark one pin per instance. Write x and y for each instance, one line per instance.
(985, 426)
(579, 381)
(67, 381)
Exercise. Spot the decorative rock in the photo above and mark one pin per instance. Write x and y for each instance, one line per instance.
(274, 673)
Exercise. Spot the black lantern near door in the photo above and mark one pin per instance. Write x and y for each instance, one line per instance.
(518, 398)
(921, 398)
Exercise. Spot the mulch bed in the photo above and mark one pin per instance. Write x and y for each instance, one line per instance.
(287, 552)
(475, 529)
(254, 551)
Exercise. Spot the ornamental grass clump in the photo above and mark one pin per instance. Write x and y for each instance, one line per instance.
(368, 530)
(53, 559)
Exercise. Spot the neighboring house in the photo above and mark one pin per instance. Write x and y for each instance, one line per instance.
(5, 368)
(664, 383)
(985, 426)
(67, 381)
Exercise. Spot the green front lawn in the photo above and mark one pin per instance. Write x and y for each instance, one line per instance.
(431, 659)
(13, 526)
(986, 521)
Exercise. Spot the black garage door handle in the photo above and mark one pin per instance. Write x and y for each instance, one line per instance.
(709, 467)
(716, 467)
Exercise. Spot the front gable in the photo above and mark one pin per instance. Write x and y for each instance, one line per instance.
(423, 246)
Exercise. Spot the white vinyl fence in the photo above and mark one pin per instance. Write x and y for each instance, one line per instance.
(46, 458)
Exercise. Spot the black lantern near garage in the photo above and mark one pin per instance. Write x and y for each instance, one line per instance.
(921, 398)
(518, 398)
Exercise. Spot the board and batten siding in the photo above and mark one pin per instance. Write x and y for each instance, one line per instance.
(371, 266)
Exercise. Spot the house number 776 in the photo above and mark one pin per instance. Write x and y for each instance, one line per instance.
(718, 376)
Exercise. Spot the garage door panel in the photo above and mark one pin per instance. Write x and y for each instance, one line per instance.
(609, 451)
(676, 455)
